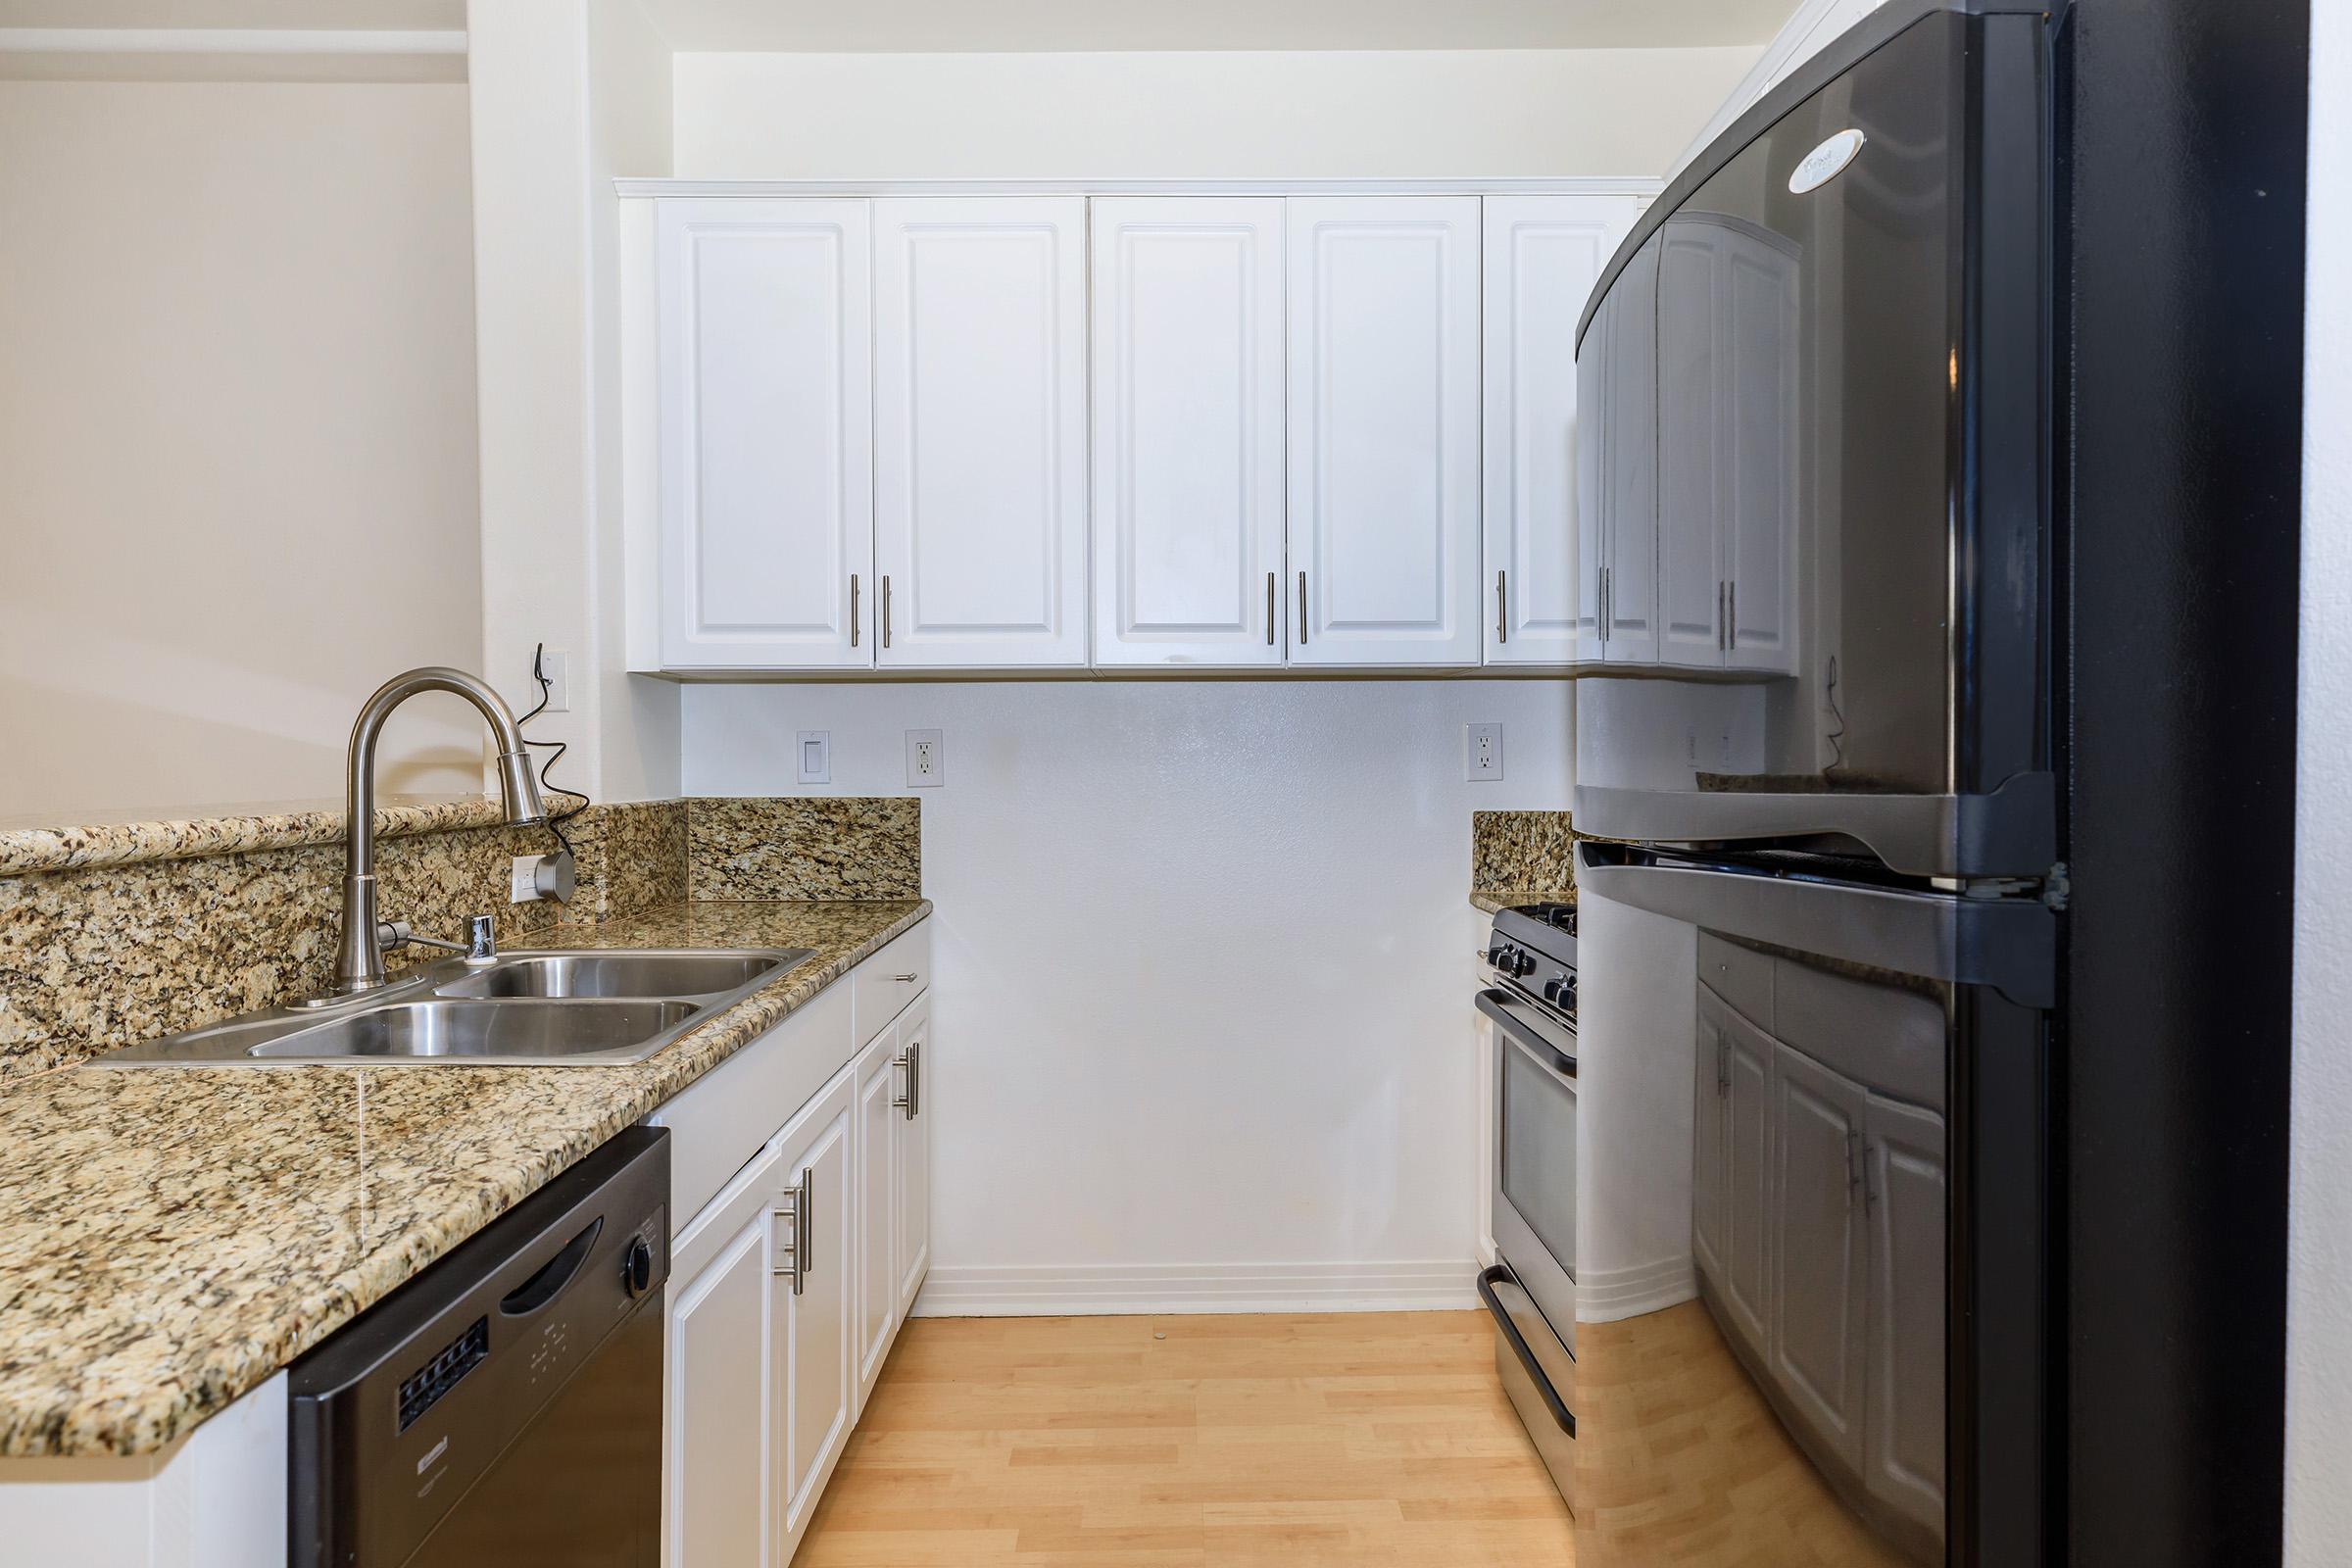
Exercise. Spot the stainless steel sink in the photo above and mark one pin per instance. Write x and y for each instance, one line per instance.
(670, 973)
(552, 1009)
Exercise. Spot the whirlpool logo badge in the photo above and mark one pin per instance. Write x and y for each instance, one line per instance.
(1825, 163)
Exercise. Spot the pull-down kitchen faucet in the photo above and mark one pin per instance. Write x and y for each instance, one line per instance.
(359, 954)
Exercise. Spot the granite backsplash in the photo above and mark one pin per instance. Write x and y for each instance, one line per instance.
(1527, 852)
(108, 936)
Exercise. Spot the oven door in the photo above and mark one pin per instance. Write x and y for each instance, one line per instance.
(1534, 1154)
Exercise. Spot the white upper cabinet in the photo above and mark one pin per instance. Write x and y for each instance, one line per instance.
(1383, 452)
(1616, 609)
(1189, 422)
(1542, 255)
(980, 457)
(765, 432)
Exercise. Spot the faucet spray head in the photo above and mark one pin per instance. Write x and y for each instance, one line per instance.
(519, 790)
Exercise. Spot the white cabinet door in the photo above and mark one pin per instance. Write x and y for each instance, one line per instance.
(879, 1114)
(1902, 1452)
(980, 457)
(1710, 1155)
(1541, 257)
(1759, 448)
(914, 1246)
(1384, 450)
(1748, 1203)
(1692, 574)
(722, 1440)
(1818, 1240)
(1189, 422)
(766, 429)
(1629, 599)
(815, 1302)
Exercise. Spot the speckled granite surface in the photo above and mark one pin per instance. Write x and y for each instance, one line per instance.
(629, 857)
(1521, 858)
(103, 956)
(170, 1239)
(51, 849)
(805, 847)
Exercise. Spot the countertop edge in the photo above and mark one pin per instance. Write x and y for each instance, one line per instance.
(208, 1382)
(68, 849)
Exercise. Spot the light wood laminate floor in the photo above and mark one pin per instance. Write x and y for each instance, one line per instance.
(1371, 1440)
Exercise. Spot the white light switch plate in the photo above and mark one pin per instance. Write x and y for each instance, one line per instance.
(812, 753)
(556, 667)
(1481, 752)
(926, 759)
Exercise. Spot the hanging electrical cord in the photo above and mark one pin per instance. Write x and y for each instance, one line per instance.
(1836, 737)
(547, 687)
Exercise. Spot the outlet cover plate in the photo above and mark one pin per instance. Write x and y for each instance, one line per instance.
(926, 759)
(1481, 752)
(812, 753)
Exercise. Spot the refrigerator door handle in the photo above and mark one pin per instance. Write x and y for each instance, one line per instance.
(2010, 945)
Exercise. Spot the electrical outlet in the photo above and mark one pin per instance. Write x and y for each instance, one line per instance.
(1481, 752)
(522, 886)
(815, 756)
(556, 665)
(926, 759)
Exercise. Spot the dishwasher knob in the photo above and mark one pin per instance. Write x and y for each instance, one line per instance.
(637, 1266)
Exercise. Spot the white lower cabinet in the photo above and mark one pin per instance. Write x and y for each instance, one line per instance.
(787, 1289)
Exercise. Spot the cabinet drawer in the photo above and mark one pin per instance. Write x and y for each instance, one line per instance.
(723, 1118)
(885, 983)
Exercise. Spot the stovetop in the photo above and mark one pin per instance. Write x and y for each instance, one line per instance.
(1532, 950)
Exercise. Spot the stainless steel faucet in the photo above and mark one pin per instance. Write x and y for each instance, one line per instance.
(360, 953)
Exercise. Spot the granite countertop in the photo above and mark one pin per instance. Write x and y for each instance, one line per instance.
(1497, 900)
(170, 1239)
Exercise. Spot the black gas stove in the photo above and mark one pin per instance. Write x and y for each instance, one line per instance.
(1533, 951)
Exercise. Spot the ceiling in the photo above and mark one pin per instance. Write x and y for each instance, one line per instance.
(1023, 25)
(397, 16)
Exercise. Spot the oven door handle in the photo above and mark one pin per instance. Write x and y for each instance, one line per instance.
(1511, 1017)
(1519, 1347)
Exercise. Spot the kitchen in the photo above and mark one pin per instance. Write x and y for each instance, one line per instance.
(1082, 562)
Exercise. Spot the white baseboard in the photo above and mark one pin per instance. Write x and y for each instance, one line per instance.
(1075, 1291)
(1606, 1296)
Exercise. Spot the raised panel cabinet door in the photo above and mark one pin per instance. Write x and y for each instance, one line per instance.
(876, 1154)
(1630, 565)
(819, 1331)
(1759, 473)
(1383, 452)
(766, 432)
(980, 438)
(1814, 1352)
(1691, 577)
(1710, 1089)
(1593, 421)
(720, 1439)
(1747, 1141)
(915, 1155)
(1902, 1452)
(1541, 255)
(1189, 425)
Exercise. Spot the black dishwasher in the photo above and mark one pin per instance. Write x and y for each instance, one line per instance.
(502, 1409)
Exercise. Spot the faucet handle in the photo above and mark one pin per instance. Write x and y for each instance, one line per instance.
(481, 939)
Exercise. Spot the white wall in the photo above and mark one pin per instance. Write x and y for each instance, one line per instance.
(237, 484)
(2319, 1506)
(1228, 116)
(1203, 999)
(564, 95)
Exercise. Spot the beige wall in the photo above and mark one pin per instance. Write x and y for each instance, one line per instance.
(1225, 115)
(237, 439)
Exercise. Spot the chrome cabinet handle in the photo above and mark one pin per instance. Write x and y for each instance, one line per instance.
(906, 979)
(1501, 632)
(1302, 609)
(1730, 617)
(886, 609)
(852, 609)
(800, 1209)
(1605, 585)
(1269, 610)
(1719, 617)
(911, 1101)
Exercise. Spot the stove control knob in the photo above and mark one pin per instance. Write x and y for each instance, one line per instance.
(1511, 961)
(1560, 991)
(1498, 956)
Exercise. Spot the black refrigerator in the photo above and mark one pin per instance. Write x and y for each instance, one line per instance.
(1871, 658)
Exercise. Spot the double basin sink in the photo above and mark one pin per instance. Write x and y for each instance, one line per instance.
(552, 1009)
